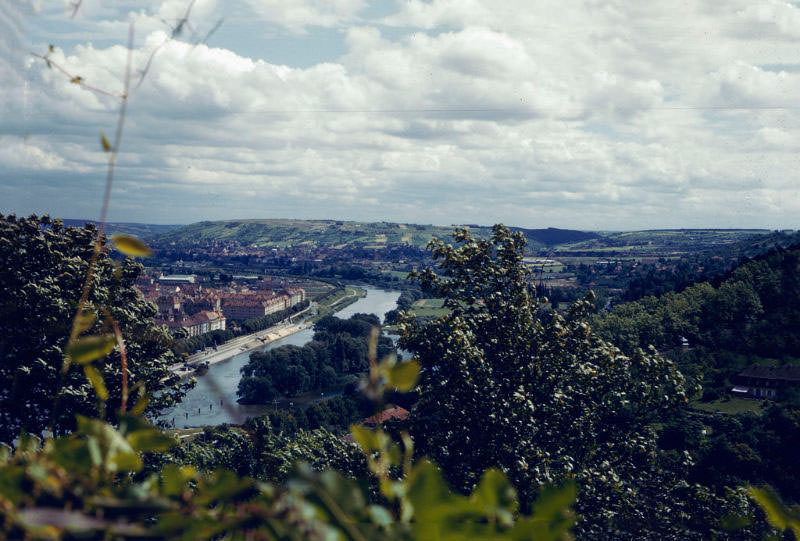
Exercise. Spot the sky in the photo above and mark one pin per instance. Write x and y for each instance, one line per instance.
(597, 115)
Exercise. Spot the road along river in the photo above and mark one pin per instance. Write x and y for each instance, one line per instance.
(213, 400)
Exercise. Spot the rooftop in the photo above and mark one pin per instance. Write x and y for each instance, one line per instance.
(782, 373)
(396, 412)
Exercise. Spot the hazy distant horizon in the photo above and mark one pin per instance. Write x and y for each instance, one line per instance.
(644, 227)
(177, 224)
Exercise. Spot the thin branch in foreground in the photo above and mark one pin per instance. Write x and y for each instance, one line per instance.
(211, 32)
(76, 6)
(98, 242)
(124, 360)
(112, 160)
(74, 79)
(113, 151)
(176, 30)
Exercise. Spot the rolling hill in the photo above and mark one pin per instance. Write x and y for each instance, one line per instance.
(144, 231)
(553, 236)
(283, 232)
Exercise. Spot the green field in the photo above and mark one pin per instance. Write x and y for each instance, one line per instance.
(536, 268)
(662, 242)
(400, 275)
(429, 308)
(350, 295)
(732, 406)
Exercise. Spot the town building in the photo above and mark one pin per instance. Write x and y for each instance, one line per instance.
(395, 413)
(199, 323)
(241, 309)
(296, 295)
(177, 279)
(765, 381)
(209, 301)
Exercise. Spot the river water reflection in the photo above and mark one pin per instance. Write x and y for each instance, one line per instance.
(202, 405)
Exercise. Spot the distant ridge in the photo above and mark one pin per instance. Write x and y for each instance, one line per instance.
(321, 233)
(282, 232)
(549, 236)
(552, 235)
(696, 229)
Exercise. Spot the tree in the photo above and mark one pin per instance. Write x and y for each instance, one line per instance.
(543, 398)
(42, 269)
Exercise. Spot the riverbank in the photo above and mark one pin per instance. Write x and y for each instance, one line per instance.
(350, 296)
(242, 344)
(238, 345)
(213, 400)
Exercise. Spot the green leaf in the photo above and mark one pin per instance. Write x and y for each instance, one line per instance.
(141, 405)
(495, 496)
(552, 516)
(403, 376)
(28, 444)
(151, 440)
(130, 245)
(94, 377)
(380, 515)
(12, 484)
(74, 455)
(365, 438)
(87, 349)
(436, 509)
(116, 453)
(224, 485)
(84, 320)
(778, 514)
(6, 452)
(488, 514)
(175, 478)
(104, 143)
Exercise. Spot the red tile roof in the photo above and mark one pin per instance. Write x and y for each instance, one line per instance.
(396, 412)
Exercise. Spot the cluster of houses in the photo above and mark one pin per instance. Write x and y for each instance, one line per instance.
(185, 304)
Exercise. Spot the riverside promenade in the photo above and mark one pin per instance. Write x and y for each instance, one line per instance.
(237, 345)
(240, 344)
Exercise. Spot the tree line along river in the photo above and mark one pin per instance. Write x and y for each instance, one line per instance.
(213, 400)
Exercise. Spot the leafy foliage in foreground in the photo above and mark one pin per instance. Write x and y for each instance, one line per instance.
(43, 266)
(85, 485)
(778, 514)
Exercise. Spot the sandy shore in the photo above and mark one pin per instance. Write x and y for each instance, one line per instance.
(238, 345)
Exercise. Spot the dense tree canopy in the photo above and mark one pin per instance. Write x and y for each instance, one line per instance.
(753, 312)
(340, 347)
(42, 270)
(544, 398)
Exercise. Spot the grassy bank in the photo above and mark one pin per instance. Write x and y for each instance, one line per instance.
(345, 298)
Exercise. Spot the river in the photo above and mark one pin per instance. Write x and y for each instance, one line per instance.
(201, 406)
